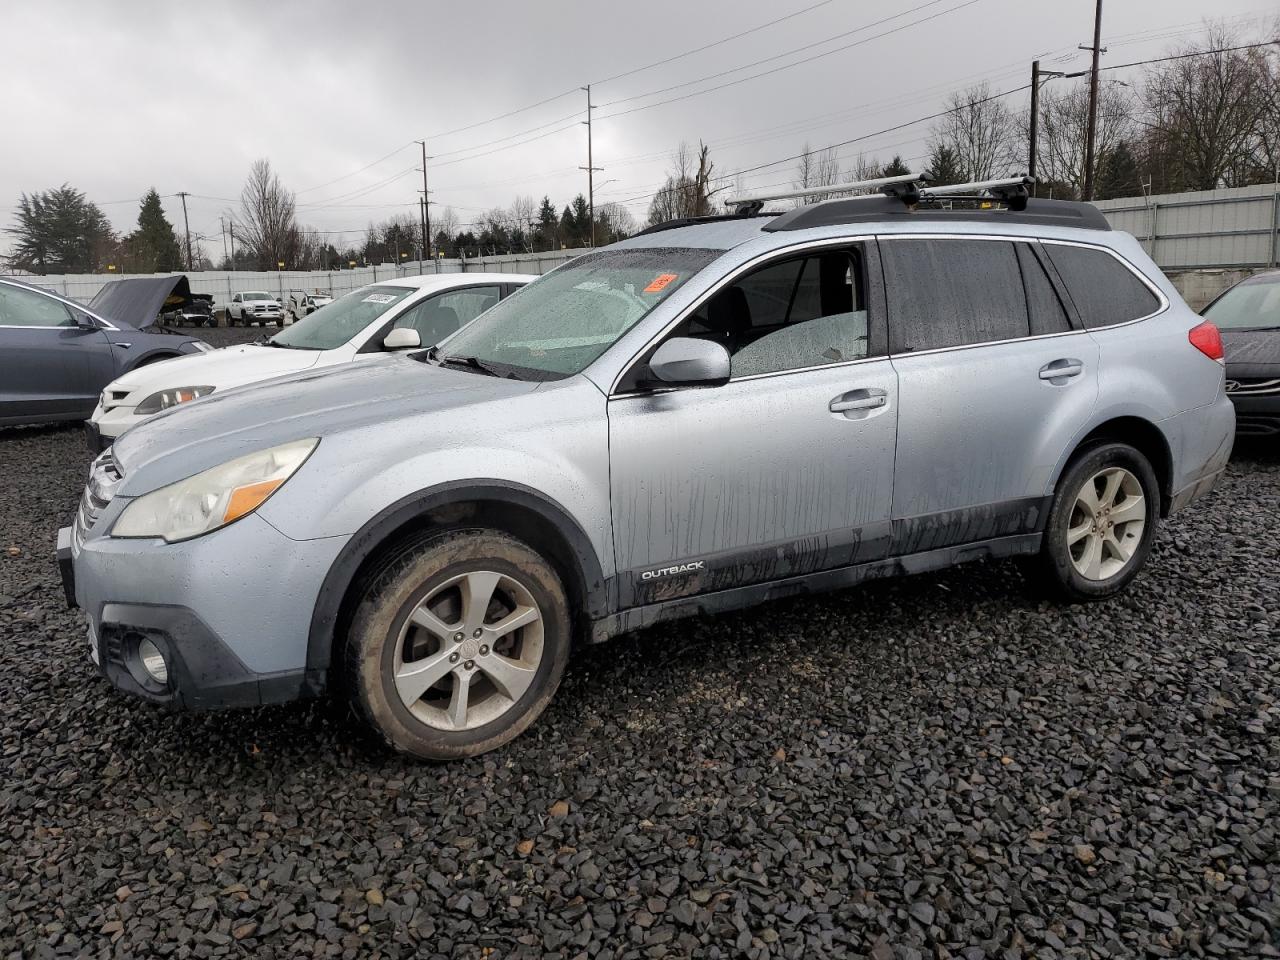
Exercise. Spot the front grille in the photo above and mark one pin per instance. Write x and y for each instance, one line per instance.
(1252, 386)
(104, 477)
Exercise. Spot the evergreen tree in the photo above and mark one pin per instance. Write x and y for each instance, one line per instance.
(59, 231)
(895, 168)
(548, 226)
(581, 221)
(944, 165)
(1118, 174)
(153, 247)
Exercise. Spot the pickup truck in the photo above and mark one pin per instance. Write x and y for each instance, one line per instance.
(254, 306)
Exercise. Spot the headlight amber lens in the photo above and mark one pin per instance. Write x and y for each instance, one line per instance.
(171, 398)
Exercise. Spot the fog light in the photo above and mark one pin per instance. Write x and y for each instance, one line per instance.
(153, 661)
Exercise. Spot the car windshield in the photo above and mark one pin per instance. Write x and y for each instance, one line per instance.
(1252, 305)
(557, 325)
(337, 322)
(256, 295)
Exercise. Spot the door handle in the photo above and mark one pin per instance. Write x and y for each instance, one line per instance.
(1061, 370)
(858, 400)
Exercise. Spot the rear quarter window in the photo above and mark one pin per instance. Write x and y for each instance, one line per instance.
(1104, 290)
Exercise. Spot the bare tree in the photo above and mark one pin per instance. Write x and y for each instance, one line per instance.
(266, 223)
(817, 169)
(524, 215)
(614, 222)
(1209, 114)
(982, 131)
(864, 168)
(687, 191)
(1064, 124)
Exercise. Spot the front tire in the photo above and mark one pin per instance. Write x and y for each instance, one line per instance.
(1102, 524)
(458, 644)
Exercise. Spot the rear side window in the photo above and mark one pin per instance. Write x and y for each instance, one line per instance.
(951, 293)
(1043, 305)
(1104, 290)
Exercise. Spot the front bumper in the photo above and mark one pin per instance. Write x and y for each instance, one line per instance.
(106, 425)
(229, 611)
(1257, 416)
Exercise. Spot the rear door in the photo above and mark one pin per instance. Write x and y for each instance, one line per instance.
(785, 470)
(49, 367)
(994, 381)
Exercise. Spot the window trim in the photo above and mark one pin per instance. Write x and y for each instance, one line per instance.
(875, 310)
(1163, 300)
(71, 307)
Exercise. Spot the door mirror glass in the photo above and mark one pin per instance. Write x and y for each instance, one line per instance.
(684, 361)
(402, 338)
(86, 322)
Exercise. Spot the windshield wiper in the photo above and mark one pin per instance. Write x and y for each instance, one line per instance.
(475, 363)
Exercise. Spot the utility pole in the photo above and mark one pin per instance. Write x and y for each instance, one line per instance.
(591, 170)
(231, 228)
(185, 226)
(426, 212)
(222, 225)
(1092, 133)
(1035, 119)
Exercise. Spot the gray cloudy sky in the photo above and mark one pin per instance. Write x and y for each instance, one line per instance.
(118, 97)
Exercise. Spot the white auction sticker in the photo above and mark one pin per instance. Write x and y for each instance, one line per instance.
(380, 298)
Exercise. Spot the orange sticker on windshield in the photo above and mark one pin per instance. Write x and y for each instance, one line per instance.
(660, 282)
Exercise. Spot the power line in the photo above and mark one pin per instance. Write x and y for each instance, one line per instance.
(354, 172)
(788, 66)
(708, 46)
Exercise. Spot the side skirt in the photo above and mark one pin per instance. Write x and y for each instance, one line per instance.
(740, 597)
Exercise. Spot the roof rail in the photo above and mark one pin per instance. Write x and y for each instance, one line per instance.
(945, 207)
(754, 202)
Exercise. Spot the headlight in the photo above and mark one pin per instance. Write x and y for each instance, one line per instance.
(214, 498)
(170, 398)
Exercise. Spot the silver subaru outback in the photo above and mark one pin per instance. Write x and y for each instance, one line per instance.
(708, 415)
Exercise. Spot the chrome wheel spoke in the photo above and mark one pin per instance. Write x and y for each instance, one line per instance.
(477, 592)
(1087, 498)
(511, 677)
(415, 678)
(1091, 562)
(460, 699)
(1122, 548)
(1111, 487)
(1131, 508)
(520, 617)
(1074, 534)
(428, 621)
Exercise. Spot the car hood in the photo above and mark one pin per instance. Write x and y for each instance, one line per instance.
(1251, 348)
(220, 369)
(185, 440)
(138, 301)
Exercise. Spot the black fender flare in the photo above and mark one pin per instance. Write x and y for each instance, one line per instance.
(372, 536)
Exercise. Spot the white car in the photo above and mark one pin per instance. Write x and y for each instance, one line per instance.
(398, 314)
(254, 306)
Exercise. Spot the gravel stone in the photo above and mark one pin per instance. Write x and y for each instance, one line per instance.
(968, 772)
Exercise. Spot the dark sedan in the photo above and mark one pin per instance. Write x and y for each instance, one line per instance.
(56, 355)
(1248, 315)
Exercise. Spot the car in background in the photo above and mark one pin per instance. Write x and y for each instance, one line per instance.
(390, 315)
(195, 309)
(299, 304)
(254, 306)
(1248, 314)
(56, 355)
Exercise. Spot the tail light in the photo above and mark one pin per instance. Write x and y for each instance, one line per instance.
(1206, 338)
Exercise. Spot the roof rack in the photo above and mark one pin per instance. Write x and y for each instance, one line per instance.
(692, 221)
(750, 204)
(1006, 200)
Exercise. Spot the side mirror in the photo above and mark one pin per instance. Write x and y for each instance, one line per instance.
(86, 322)
(402, 338)
(685, 361)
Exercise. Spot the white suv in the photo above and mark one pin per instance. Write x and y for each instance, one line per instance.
(394, 314)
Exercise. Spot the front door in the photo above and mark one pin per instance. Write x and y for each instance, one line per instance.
(785, 470)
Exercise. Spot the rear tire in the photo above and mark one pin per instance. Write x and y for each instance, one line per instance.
(1102, 524)
(433, 662)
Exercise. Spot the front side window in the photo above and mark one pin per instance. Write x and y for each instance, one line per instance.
(1103, 289)
(951, 293)
(559, 324)
(806, 311)
(342, 319)
(26, 308)
(445, 313)
(1252, 305)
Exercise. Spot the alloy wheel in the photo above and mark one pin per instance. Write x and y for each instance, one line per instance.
(1107, 523)
(469, 650)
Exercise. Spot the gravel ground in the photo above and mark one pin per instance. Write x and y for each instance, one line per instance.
(933, 767)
